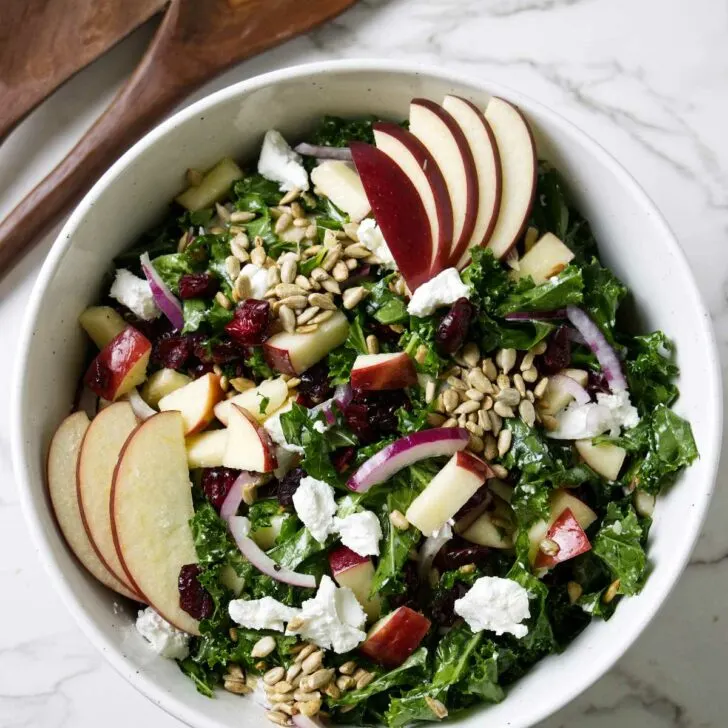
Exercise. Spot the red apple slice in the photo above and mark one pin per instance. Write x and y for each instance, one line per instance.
(398, 210)
(445, 140)
(570, 538)
(62, 465)
(151, 506)
(357, 573)
(206, 449)
(482, 144)
(383, 371)
(519, 166)
(341, 184)
(261, 401)
(161, 383)
(416, 161)
(120, 366)
(294, 353)
(100, 450)
(249, 446)
(448, 492)
(395, 637)
(196, 401)
(102, 324)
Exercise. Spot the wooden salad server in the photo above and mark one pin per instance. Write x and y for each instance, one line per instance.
(196, 41)
(44, 42)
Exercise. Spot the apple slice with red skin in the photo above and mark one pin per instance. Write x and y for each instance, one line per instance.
(519, 166)
(477, 131)
(383, 371)
(196, 401)
(570, 537)
(120, 366)
(448, 145)
(294, 353)
(151, 507)
(206, 449)
(249, 446)
(398, 210)
(357, 573)
(62, 465)
(161, 383)
(395, 637)
(448, 492)
(270, 395)
(102, 443)
(415, 160)
(102, 324)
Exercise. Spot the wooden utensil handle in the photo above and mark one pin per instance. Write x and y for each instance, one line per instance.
(146, 97)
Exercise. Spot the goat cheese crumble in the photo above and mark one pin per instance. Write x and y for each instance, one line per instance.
(333, 619)
(496, 604)
(610, 413)
(279, 163)
(258, 278)
(370, 236)
(165, 639)
(135, 294)
(265, 613)
(445, 288)
(361, 532)
(315, 505)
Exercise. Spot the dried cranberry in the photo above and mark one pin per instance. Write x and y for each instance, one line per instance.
(383, 332)
(198, 285)
(343, 458)
(373, 415)
(458, 552)
(193, 597)
(408, 597)
(454, 326)
(598, 384)
(216, 484)
(558, 352)
(357, 421)
(199, 369)
(443, 606)
(314, 387)
(172, 351)
(225, 351)
(289, 485)
(250, 325)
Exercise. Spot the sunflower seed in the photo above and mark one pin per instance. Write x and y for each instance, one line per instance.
(527, 412)
(303, 282)
(287, 708)
(345, 682)
(489, 369)
(307, 329)
(278, 718)
(284, 290)
(288, 272)
(321, 300)
(491, 447)
(313, 662)
(309, 708)
(474, 429)
(288, 318)
(354, 296)
(242, 216)
(319, 318)
(305, 696)
(293, 672)
(236, 687)
(496, 423)
(498, 470)
(273, 277)
(357, 251)
(504, 442)
(504, 410)
(508, 396)
(530, 375)
(467, 407)
(364, 680)
(430, 388)
(310, 233)
(332, 691)
(549, 547)
(311, 251)
(452, 422)
(241, 288)
(506, 359)
(438, 709)
(283, 223)
(450, 400)
(223, 300)
(340, 271)
(274, 675)
(503, 381)
(527, 361)
(487, 403)
(351, 263)
(540, 389)
(471, 354)
(435, 419)
(540, 348)
(455, 382)
(398, 520)
(479, 381)
(318, 679)
(258, 256)
(307, 315)
(373, 347)
(475, 395)
(331, 258)
(519, 384)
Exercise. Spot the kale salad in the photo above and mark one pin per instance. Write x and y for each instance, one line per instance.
(384, 405)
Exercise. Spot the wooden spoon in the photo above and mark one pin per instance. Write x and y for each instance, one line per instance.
(44, 42)
(194, 43)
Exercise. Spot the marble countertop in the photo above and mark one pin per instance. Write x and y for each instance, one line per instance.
(647, 79)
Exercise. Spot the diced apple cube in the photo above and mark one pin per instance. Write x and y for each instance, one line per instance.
(547, 258)
(357, 573)
(102, 324)
(214, 186)
(161, 383)
(249, 446)
(556, 399)
(206, 449)
(340, 182)
(196, 402)
(395, 637)
(606, 459)
(261, 401)
(383, 371)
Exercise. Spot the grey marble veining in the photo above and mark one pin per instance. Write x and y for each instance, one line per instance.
(648, 80)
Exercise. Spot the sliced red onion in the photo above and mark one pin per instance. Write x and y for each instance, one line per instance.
(305, 721)
(570, 386)
(327, 409)
(141, 409)
(234, 498)
(240, 528)
(559, 313)
(323, 152)
(343, 395)
(163, 297)
(600, 347)
(405, 452)
(430, 549)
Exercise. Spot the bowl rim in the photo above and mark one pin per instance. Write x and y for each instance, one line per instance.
(621, 642)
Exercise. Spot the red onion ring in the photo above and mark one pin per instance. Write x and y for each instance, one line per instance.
(570, 386)
(322, 152)
(430, 549)
(163, 297)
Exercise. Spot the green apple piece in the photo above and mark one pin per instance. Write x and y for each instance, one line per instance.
(547, 258)
(102, 324)
(606, 459)
(214, 186)
(266, 537)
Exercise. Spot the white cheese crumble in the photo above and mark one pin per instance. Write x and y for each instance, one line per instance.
(370, 236)
(135, 294)
(258, 278)
(333, 619)
(165, 639)
(361, 532)
(265, 613)
(279, 163)
(496, 604)
(610, 413)
(445, 288)
(274, 428)
(315, 505)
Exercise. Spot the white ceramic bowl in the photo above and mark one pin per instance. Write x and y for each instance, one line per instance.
(634, 241)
